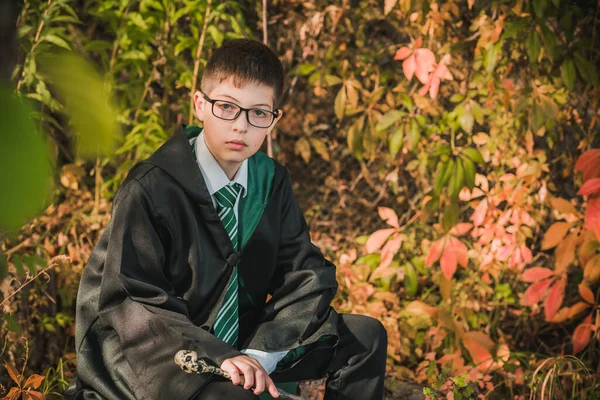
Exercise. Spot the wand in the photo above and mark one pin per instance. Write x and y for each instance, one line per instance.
(189, 362)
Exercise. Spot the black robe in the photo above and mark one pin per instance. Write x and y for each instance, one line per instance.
(156, 279)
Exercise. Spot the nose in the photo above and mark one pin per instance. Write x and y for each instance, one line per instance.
(241, 122)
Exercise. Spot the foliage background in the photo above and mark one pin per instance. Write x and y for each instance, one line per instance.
(441, 152)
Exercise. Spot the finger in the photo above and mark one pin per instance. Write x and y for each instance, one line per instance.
(232, 370)
(260, 381)
(272, 388)
(248, 372)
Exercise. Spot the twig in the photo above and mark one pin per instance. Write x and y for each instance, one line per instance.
(53, 263)
(197, 62)
(265, 41)
(35, 42)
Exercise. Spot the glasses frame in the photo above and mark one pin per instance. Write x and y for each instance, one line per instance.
(275, 113)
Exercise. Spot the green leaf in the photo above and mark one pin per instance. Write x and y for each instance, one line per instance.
(3, 266)
(24, 158)
(474, 155)
(586, 69)
(539, 6)
(16, 259)
(414, 134)
(138, 21)
(340, 103)
(388, 120)
(216, 35)
(466, 121)
(56, 40)
(491, 57)
(456, 180)
(449, 217)
(87, 103)
(537, 117)
(457, 98)
(411, 281)
(332, 80)
(31, 266)
(567, 73)
(306, 68)
(533, 46)
(469, 173)
(396, 139)
(442, 176)
(549, 42)
(448, 174)
(407, 101)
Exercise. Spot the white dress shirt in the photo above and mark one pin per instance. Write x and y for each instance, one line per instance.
(216, 179)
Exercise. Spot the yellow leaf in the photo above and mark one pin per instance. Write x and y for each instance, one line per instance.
(320, 148)
(302, 148)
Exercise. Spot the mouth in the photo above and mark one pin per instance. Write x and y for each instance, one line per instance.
(236, 145)
(238, 142)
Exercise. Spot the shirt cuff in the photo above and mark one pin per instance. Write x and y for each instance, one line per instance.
(267, 360)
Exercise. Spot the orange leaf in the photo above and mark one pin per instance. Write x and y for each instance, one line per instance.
(382, 272)
(565, 253)
(409, 66)
(576, 309)
(13, 394)
(435, 251)
(461, 229)
(536, 274)
(389, 251)
(34, 381)
(591, 271)
(582, 334)
(460, 250)
(480, 212)
(448, 262)
(536, 292)
(586, 293)
(32, 395)
(14, 374)
(389, 216)
(592, 215)
(480, 346)
(377, 239)
(563, 206)
(402, 53)
(588, 250)
(555, 298)
(424, 62)
(590, 187)
(555, 234)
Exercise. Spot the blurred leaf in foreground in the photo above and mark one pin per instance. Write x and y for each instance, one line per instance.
(87, 102)
(25, 169)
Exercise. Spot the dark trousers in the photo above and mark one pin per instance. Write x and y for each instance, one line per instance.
(354, 369)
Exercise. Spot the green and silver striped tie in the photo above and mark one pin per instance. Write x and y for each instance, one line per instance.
(227, 323)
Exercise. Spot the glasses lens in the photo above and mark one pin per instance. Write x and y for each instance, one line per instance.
(225, 110)
(260, 118)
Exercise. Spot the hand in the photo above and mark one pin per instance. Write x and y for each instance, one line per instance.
(254, 374)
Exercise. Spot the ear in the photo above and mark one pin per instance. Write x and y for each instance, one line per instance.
(199, 104)
(279, 115)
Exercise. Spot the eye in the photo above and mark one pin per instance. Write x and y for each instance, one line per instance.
(188, 359)
(257, 112)
(225, 106)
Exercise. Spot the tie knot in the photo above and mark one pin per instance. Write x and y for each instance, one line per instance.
(227, 195)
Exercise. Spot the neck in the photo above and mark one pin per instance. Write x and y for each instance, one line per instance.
(230, 169)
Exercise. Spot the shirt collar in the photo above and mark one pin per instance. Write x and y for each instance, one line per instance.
(213, 174)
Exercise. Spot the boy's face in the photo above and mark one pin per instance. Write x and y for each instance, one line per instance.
(232, 142)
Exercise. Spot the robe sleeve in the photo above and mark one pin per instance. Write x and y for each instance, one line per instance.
(138, 302)
(299, 311)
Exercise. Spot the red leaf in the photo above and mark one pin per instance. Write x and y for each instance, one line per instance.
(34, 381)
(424, 62)
(389, 216)
(555, 298)
(403, 53)
(14, 374)
(448, 262)
(389, 250)
(526, 254)
(582, 334)
(586, 293)
(592, 215)
(536, 274)
(536, 292)
(435, 251)
(555, 234)
(590, 187)
(409, 66)
(377, 239)
(588, 160)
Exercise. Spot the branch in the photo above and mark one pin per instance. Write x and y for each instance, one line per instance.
(197, 63)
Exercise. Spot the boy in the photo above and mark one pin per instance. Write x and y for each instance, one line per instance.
(201, 233)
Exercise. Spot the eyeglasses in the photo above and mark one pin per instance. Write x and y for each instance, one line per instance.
(230, 111)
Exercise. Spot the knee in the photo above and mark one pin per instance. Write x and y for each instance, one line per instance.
(373, 333)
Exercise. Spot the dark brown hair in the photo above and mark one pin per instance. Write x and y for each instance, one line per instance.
(246, 61)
